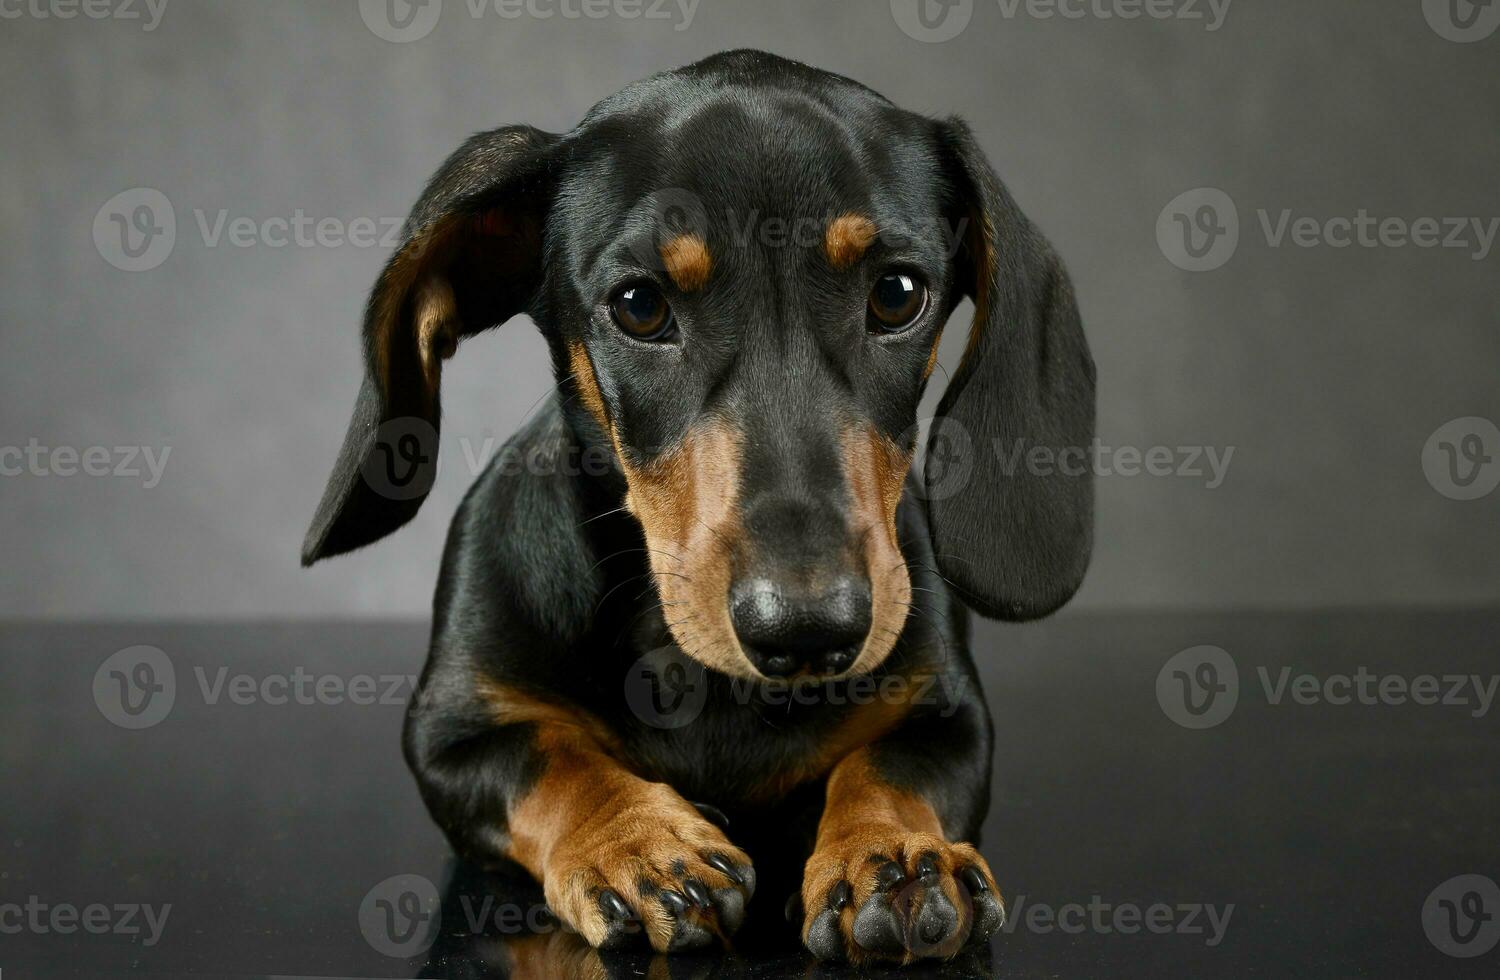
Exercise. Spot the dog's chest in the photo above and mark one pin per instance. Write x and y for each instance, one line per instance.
(727, 743)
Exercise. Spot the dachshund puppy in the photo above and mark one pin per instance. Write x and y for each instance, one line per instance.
(742, 269)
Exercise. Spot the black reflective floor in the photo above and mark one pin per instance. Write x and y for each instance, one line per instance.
(238, 836)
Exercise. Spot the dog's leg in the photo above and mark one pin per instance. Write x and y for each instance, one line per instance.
(887, 880)
(617, 855)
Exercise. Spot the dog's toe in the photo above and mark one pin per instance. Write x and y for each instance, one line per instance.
(909, 897)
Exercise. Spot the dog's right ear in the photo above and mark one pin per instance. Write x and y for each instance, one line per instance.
(470, 259)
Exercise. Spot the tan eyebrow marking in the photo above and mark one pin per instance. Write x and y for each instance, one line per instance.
(688, 262)
(847, 238)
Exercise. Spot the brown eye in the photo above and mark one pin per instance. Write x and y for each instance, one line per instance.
(896, 302)
(642, 311)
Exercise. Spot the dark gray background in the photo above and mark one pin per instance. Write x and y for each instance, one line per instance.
(1327, 370)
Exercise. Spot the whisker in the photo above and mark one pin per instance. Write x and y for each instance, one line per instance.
(631, 551)
(544, 395)
(618, 510)
(713, 531)
(616, 587)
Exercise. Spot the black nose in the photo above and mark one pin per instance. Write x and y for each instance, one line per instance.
(785, 630)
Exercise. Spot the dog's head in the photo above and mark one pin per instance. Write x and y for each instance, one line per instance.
(743, 269)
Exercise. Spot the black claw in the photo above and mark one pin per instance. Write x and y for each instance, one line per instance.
(889, 876)
(876, 928)
(622, 937)
(823, 940)
(989, 916)
(841, 896)
(613, 906)
(792, 910)
(726, 866)
(697, 892)
(937, 922)
(713, 815)
(674, 902)
(729, 904)
(975, 881)
(747, 875)
(927, 867)
(687, 934)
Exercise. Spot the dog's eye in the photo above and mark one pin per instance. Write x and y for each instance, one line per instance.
(896, 302)
(642, 311)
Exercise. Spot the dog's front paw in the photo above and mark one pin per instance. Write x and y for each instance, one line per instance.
(890, 894)
(649, 863)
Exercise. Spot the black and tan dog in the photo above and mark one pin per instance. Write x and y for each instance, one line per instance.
(754, 391)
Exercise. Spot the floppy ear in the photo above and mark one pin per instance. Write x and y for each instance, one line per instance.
(470, 258)
(1015, 532)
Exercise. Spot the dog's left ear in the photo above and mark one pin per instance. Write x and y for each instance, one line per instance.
(470, 259)
(1015, 530)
